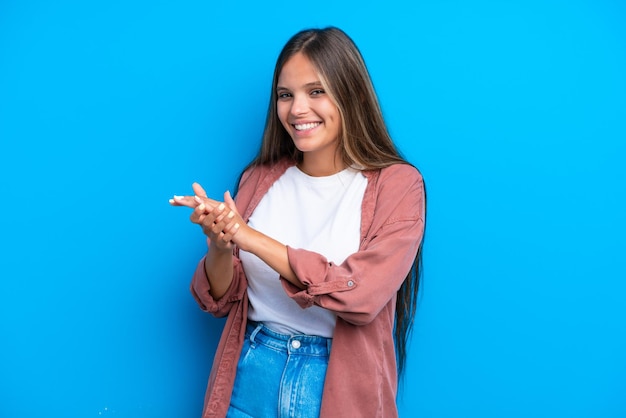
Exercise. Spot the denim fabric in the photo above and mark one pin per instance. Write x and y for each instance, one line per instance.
(279, 375)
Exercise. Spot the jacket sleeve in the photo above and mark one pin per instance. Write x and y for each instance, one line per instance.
(200, 287)
(358, 289)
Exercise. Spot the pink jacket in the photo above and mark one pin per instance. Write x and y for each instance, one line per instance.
(361, 380)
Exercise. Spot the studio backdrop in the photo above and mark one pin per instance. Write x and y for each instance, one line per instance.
(514, 112)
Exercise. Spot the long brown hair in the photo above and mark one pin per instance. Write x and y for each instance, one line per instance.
(364, 141)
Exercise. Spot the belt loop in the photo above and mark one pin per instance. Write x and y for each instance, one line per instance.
(329, 343)
(254, 333)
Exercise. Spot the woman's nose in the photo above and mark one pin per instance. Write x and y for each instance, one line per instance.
(299, 105)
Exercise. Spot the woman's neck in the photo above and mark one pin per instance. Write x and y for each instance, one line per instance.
(320, 167)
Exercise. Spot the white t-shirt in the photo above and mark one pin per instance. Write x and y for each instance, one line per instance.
(320, 214)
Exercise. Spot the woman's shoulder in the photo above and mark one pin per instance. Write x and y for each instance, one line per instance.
(402, 173)
(396, 193)
(258, 171)
(402, 182)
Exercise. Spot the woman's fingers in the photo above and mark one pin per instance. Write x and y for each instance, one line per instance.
(221, 231)
(188, 201)
(219, 221)
(228, 199)
(199, 197)
(226, 225)
(222, 218)
(230, 231)
(210, 203)
(199, 214)
(198, 190)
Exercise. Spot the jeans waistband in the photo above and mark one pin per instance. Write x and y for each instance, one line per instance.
(300, 344)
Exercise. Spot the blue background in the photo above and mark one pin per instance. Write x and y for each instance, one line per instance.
(514, 111)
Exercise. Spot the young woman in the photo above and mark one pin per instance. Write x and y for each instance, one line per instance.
(316, 260)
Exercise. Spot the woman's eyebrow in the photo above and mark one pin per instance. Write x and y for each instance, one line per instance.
(307, 85)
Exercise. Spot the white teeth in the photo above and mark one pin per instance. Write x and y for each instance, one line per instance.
(305, 126)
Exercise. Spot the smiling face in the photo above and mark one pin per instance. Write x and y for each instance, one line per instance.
(309, 115)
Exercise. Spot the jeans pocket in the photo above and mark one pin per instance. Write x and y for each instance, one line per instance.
(246, 351)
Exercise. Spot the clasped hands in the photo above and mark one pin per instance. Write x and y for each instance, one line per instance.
(220, 221)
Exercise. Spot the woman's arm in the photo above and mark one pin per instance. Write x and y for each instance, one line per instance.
(362, 285)
(223, 225)
(215, 218)
(229, 228)
(272, 252)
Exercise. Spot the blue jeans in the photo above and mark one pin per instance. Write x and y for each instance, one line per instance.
(279, 375)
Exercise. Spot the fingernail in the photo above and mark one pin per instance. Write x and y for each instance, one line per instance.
(236, 226)
(221, 207)
(231, 214)
(171, 200)
(197, 199)
(201, 206)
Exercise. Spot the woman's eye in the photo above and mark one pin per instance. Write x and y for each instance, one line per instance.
(284, 95)
(317, 92)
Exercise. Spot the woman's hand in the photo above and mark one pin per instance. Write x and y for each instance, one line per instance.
(222, 223)
(219, 221)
